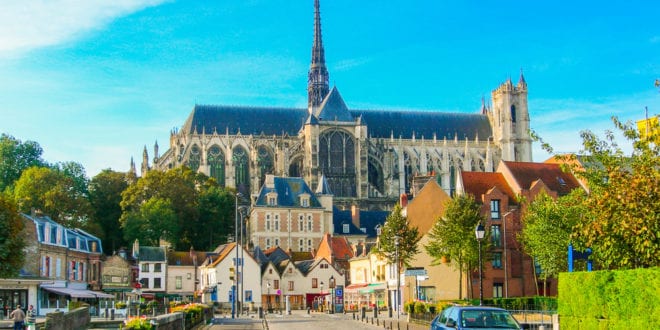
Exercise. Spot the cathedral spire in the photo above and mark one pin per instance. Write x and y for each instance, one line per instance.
(317, 81)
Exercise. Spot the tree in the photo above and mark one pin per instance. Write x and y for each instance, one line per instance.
(11, 238)
(547, 226)
(190, 195)
(452, 236)
(622, 222)
(55, 194)
(154, 220)
(396, 225)
(105, 191)
(15, 157)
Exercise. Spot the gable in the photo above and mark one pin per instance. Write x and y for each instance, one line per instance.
(427, 206)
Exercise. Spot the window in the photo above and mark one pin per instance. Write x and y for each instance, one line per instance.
(73, 271)
(157, 268)
(301, 245)
(309, 245)
(305, 202)
(45, 270)
(145, 267)
(513, 113)
(276, 284)
(277, 242)
(267, 243)
(309, 223)
(178, 282)
(497, 290)
(495, 209)
(346, 228)
(291, 287)
(157, 283)
(497, 260)
(276, 223)
(271, 201)
(315, 283)
(267, 222)
(301, 226)
(188, 276)
(145, 283)
(495, 236)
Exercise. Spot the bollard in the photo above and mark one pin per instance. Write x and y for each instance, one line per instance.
(377, 320)
(376, 311)
(107, 315)
(112, 314)
(261, 312)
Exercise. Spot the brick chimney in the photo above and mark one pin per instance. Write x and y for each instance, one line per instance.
(355, 215)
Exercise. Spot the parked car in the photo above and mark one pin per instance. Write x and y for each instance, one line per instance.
(474, 317)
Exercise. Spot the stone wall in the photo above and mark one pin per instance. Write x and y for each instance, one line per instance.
(174, 321)
(77, 319)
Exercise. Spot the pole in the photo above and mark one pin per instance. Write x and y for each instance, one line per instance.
(398, 276)
(506, 263)
(241, 292)
(234, 293)
(481, 281)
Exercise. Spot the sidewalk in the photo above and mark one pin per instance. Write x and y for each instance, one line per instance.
(384, 321)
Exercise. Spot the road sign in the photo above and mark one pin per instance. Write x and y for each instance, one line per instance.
(415, 272)
(339, 291)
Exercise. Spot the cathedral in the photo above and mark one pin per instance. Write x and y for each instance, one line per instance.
(368, 157)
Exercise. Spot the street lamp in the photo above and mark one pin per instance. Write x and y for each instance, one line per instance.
(398, 276)
(331, 284)
(479, 232)
(234, 291)
(268, 296)
(321, 300)
(506, 268)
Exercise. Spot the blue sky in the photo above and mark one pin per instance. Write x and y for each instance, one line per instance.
(95, 81)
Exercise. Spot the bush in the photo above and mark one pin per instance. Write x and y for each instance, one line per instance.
(138, 323)
(120, 305)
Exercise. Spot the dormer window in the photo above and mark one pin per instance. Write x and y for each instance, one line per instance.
(346, 228)
(271, 199)
(304, 200)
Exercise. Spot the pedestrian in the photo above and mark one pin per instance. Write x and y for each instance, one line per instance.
(31, 318)
(19, 317)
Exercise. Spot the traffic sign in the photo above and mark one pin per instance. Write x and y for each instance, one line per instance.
(415, 272)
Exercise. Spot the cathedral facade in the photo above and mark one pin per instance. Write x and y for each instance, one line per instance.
(368, 157)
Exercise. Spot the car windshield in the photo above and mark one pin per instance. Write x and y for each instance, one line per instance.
(491, 319)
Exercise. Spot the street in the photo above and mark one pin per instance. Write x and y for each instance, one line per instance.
(300, 320)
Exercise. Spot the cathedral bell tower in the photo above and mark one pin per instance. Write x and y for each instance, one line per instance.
(317, 81)
(510, 121)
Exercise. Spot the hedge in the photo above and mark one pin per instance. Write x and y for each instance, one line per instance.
(623, 299)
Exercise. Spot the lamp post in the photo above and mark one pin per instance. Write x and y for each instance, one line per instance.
(193, 256)
(331, 284)
(506, 268)
(235, 293)
(268, 296)
(479, 232)
(321, 299)
(398, 276)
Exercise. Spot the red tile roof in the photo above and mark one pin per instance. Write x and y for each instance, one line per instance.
(551, 175)
(479, 183)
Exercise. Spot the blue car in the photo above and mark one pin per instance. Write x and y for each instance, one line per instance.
(474, 317)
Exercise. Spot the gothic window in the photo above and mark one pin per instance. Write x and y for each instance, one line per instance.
(337, 162)
(409, 169)
(242, 170)
(513, 113)
(376, 177)
(216, 161)
(195, 158)
(265, 163)
(295, 168)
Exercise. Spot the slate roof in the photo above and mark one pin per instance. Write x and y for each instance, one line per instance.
(526, 173)
(288, 191)
(380, 123)
(479, 183)
(183, 258)
(333, 108)
(152, 253)
(368, 220)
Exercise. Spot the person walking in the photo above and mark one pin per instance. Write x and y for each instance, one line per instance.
(19, 317)
(31, 318)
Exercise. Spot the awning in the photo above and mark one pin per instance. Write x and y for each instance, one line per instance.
(355, 287)
(78, 293)
(373, 287)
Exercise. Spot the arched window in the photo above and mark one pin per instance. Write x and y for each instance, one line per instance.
(216, 161)
(265, 163)
(195, 158)
(513, 113)
(337, 162)
(295, 168)
(241, 170)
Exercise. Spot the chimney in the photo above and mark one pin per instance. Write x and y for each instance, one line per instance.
(355, 215)
(403, 200)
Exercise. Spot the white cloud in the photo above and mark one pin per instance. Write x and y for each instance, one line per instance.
(30, 24)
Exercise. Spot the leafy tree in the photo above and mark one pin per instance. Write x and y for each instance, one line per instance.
(154, 220)
(105, 191)
(55, 194)
(215, 212)
(11, 238)
(622, 222)
(547, 226)
(15, 157)
(396, 225)
(452, 236)
(190, 195)
(77, 173)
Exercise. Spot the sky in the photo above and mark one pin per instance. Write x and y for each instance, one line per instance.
(95, 81)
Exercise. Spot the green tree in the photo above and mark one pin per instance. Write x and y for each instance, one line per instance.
(190, 195)
(15, 157)
(55, 194)
(547, 226)
(396, 225)
(452, 236)
(156, 219)
(105, 191)
(12, 238)
(216, 212)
